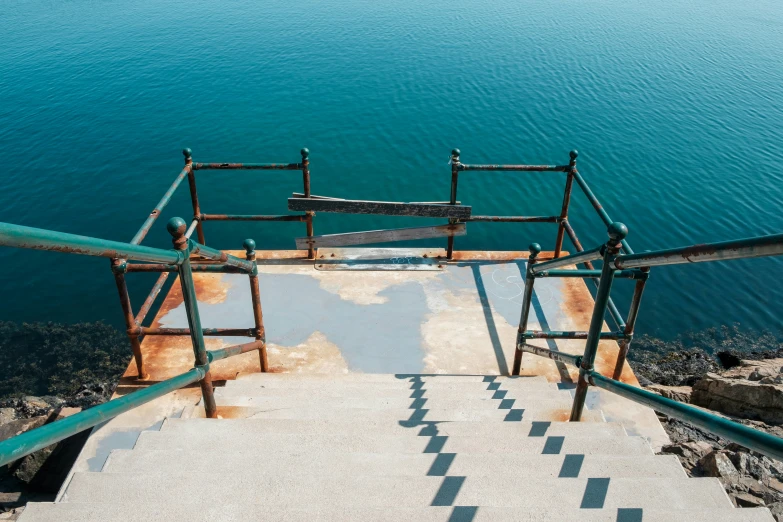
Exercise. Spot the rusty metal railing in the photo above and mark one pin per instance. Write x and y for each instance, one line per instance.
(120, 267)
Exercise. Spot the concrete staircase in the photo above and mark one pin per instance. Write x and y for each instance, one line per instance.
(386, 447)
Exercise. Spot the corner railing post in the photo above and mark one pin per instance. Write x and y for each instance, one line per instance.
(306, 180)
(250, 250)
(453, 199)
(633, 314)
(177, 227)
(566, 203)
(617, 232)
(119, 267)
(530, 279)
(194, 195)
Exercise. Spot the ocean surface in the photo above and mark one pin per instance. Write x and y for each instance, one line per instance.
(676, 108)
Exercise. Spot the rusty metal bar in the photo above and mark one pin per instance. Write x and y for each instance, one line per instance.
(211, 268)
(574, 360)
(633, 314)
(616, 231)
(147, 305)
(762, 246)
(247, 166)
(217, 255)
(573, 259)
(527, 298)
(193, 224)
(566, 202)
(177, 227)
(594, 274)
(230, 351)
(194, 193)
(509, 168)
(258, 316)
(571, 335)
(454, 161)
(118, 267)
(155, 214)
(514, 219)
(252, 217)
(306, 183)
(209, 332)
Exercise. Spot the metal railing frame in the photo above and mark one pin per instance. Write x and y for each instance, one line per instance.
(179, 260)
(615, 263)
(133, 324)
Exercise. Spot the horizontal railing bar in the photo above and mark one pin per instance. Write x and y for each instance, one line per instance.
(509, 168)
(218, 255)
(247, 166)
(515, 219)
(598, 207)
(574, 360)
(147, 305)
(624, 274)
(381, 236)
(213, 332)
(313, 196)
(195, 267)
(39, 239)
(530, 334)
(756, 440)
(573, 259)
(230, 351)
(762, 246)
(252, 217)
(384, 208)
(48, 434)
(155, 214)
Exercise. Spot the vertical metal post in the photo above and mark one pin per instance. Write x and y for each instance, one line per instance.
(119, 267)
(194, 195)
(617, 232)
(566, 203)
(633, 313)
(306, 180)
(177, 227)
(250, 251)
(453, 199)
(535, 249)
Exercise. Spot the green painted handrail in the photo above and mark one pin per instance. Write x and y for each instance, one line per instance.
(39, 438)
(39, 239)
(757, 440)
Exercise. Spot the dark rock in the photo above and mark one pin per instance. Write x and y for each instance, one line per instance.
(717, 464)
(777, 510)
(747, 500)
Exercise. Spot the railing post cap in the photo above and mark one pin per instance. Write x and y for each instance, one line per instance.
(305, 152)
(249, 245)
(617, 231)
(187, 153)
(455, 153)
(574, 153)
(176, 226)
(535, 249)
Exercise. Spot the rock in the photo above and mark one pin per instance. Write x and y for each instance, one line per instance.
(31, 406)
(19, 426)
(717, 464)
(673, 368)
(747, 500)
(740, 397)
(755, 370)
(675, 393)
(777, 511)
(7, 415)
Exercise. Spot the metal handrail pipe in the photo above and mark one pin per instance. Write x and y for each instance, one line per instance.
(756, 440)
(155, 214)
(510, 168)
(214, 332)
(573, 259)
(514, 219)
(253, 217)
(247, 166)
(193, 224)
(147, 305)
(574, 360)
(217, 255)
(598, 207)
(762, 246)
(625, 274)
(40, 239)
(216, 268)
(39, 438)
(530, 334)
(230, 351)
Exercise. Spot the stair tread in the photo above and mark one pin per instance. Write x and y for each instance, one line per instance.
(391, 403)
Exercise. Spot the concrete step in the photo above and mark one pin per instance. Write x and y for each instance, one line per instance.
(406, 416)
(378, 378)
(447, 392)
(370, 491)
(252, 442)
(225, 512)
(328, 465)
(393, 403)
(500, 429)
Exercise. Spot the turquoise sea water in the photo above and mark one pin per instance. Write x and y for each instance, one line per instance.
(676, 108)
